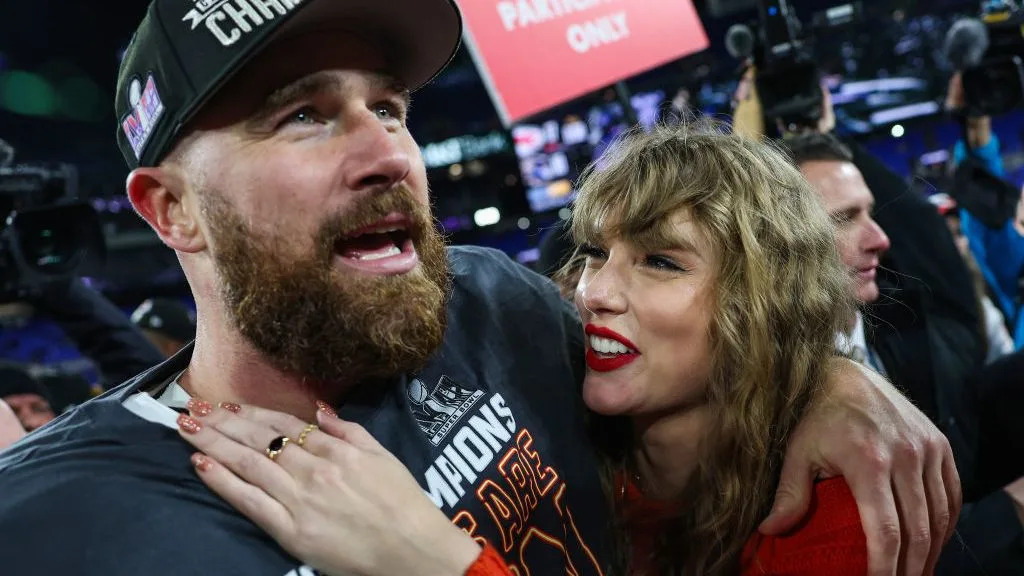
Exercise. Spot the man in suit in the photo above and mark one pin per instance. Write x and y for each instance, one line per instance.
(903, 333)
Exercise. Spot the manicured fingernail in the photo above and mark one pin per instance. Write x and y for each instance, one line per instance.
(326, 408)
(201, 462)
(231, 407)
(189, 424)
(199, 407)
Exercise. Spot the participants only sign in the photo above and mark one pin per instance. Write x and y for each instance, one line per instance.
(536, 54)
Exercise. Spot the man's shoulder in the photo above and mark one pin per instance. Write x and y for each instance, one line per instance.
(105, 489)
(98, 443)
(468, 260)
(492, 274)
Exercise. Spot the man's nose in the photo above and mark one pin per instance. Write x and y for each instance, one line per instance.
(376, 156)
(877, 239)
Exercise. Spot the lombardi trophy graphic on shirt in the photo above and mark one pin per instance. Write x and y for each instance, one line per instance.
(438, 409)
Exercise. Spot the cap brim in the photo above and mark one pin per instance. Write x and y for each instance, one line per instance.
(420, 36)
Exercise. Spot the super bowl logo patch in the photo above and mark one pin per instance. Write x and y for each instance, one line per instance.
(146, 110)
(439, 408)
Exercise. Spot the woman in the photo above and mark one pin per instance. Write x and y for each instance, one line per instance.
(709, 292)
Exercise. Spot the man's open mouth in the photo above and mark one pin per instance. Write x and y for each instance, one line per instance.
(375, 245)
(385, 246)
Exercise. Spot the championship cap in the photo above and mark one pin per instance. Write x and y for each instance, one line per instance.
(185, 50)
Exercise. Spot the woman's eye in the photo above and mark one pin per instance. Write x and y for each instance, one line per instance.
(591, 251)
(662, 263)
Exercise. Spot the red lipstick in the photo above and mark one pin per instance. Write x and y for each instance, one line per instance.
(607, 363)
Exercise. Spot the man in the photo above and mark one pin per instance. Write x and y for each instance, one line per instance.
(167, 324)
(998, 249)
(916, 348)
(26, 396)
(270, 151)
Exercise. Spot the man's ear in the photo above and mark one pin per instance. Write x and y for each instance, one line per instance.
(158, 195)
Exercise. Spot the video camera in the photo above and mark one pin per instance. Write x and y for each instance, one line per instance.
(990, 53)
(788, 78)
(47, 236)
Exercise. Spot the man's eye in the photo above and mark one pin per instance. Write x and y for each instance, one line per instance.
(842, 218)
(304, 115)
(388, 111)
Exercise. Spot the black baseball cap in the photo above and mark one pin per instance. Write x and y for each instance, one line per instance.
(185, 50)
(166, 317)
(15, 379)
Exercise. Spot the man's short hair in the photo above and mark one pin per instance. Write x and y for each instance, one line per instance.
(815, 147)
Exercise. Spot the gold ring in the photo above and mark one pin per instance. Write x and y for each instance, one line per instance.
(305, 432)
(276, 446)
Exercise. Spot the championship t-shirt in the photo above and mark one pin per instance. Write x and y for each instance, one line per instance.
(492, 429)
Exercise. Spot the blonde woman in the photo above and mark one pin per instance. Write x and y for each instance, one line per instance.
(711, 294)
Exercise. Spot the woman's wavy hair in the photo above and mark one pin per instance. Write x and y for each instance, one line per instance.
(780, 295)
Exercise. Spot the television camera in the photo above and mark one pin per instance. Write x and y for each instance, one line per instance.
(788, 78)
(47, 236)
(989, 51)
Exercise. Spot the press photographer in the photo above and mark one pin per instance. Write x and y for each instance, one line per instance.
(780, 48)
(988, 53)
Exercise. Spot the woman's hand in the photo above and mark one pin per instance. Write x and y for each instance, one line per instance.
(898, 464)
(332, 497)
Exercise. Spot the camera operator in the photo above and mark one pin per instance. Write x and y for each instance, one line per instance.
(998, 251)
(48, 239)
(100, 330)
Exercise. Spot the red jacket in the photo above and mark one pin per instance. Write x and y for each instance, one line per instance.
(829, 541)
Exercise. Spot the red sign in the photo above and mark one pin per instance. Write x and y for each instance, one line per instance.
(536, 54)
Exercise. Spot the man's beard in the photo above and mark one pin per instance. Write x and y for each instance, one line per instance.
(332, 331)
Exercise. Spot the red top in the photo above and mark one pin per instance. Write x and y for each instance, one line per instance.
(829, 541)
(489, 563)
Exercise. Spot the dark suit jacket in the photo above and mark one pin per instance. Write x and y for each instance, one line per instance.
(926, 331)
